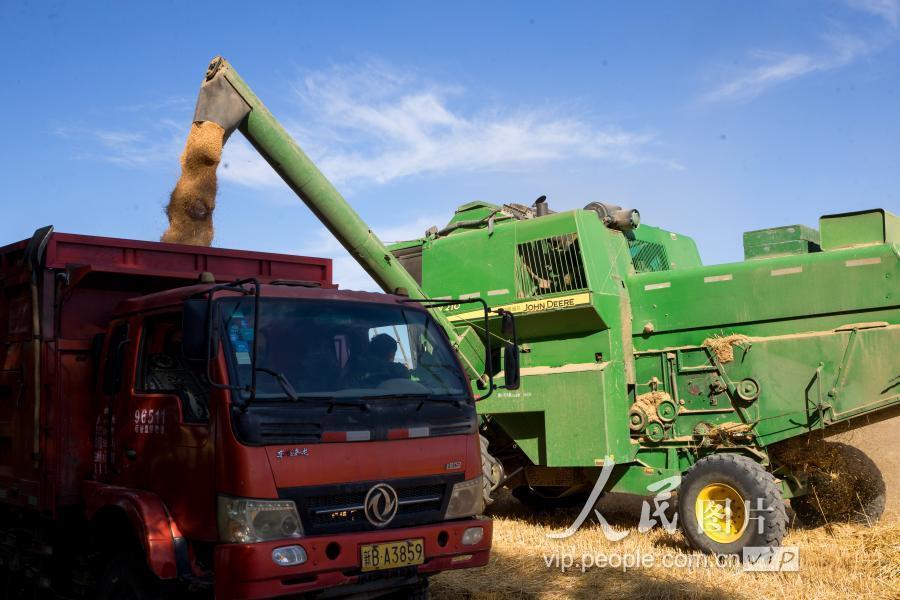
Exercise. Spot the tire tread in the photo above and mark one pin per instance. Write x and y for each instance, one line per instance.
(776, 522)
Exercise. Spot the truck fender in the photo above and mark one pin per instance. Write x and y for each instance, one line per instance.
(164, 547)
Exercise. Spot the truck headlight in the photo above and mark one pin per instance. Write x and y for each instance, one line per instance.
(466, 499)
(246, 521)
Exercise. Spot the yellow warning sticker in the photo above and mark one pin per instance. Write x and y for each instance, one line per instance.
(538, 305)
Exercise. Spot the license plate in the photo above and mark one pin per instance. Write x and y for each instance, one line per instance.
(391, 555)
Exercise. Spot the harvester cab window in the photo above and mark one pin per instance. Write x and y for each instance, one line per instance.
(164, 369)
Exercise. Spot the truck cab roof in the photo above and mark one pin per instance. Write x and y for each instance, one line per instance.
(174, 297)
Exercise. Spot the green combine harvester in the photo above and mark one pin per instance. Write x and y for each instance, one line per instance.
(637, 360)
(634, 352)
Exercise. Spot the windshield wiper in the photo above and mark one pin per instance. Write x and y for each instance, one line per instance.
(292, 394)
(420, 396)
(336, 401)
(282, 381)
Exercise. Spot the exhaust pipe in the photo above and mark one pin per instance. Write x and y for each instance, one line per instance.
(616, 217)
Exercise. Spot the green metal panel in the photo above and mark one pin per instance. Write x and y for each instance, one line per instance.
(780, 241)
(775, 235)
(462, 265)
(551, 397)
(757, 293)
(475, 212)
(779, 249)
(859, 228)
(655, 249)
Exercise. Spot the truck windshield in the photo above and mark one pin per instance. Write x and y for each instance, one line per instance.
(313, 349)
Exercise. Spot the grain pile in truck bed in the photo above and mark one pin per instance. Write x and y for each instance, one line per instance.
(193, 200)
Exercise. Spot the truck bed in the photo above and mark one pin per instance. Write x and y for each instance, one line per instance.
(52, 318)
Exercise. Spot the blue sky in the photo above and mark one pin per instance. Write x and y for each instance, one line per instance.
(711, 118)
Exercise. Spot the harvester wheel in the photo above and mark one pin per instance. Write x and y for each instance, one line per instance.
(845, 485)
(728, 501)
(492, 472)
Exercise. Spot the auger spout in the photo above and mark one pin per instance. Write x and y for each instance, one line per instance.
(225, 99)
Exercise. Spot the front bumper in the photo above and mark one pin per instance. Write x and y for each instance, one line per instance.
(247, 572)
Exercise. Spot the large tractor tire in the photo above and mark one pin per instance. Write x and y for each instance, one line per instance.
(844, 485)
(727, 502)
(492, 472)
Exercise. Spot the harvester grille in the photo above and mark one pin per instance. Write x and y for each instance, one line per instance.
(648, 256)
(549, 266)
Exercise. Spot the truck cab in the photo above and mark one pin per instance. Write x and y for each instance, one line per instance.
(359, 422)
(259, 437)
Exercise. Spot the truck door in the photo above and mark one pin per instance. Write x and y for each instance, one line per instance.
(163, 439)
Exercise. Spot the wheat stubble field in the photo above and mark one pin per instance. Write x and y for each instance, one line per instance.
(839, 561)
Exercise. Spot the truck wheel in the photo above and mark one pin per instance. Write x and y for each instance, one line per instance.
(845, 485)
(728, 501)
(126, 577)
(491, 471)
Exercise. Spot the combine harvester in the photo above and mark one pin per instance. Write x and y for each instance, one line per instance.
(637, 357)
(635, 353)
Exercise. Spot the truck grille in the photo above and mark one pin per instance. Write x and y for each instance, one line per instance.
(339, 508)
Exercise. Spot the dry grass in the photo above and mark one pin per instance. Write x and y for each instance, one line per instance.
(723, 345)
(841, 561)
(649, 403)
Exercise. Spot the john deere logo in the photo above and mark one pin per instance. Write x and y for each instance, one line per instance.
(381, 504)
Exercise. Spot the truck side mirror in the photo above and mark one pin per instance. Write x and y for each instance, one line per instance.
(508, 325)
(511, 371)
(195, 342)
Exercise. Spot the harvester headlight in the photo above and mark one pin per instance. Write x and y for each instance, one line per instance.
(467, 499)
(246, 521)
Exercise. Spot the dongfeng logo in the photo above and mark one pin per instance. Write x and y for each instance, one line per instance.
(381, 504)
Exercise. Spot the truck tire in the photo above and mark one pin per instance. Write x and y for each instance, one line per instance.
(727, 502)
(844, 484)
(126, 577)
(491, 471)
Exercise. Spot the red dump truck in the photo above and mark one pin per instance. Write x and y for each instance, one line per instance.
(181, 418)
